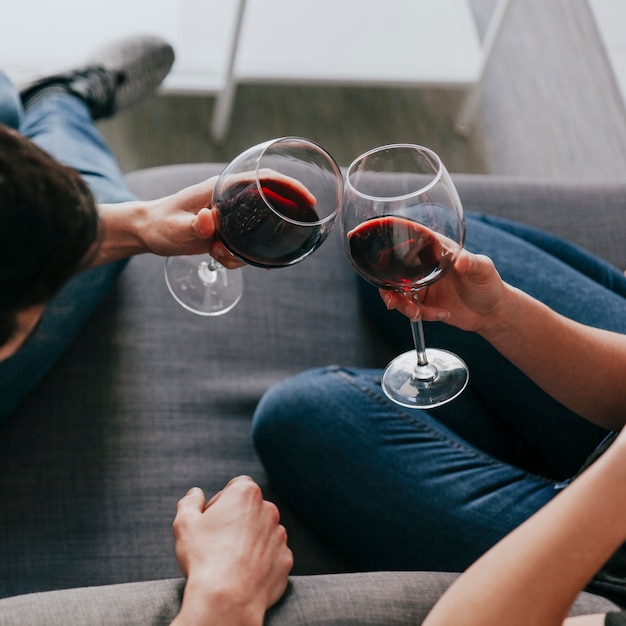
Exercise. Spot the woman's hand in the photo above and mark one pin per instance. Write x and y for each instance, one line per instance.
(466, 297)
(234, 554)
(543, 344)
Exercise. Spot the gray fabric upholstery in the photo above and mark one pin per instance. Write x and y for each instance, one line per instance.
(359, 599)
(151, 399)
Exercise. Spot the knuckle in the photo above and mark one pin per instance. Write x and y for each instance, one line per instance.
(247, 487)
(272, 512)
(282, 533)
(289, 559)
(179, 525)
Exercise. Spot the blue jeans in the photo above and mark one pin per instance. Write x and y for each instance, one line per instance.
(396, 488)
(61, 125)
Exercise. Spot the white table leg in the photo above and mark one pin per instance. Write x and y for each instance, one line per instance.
(225, 98)
(467, 114)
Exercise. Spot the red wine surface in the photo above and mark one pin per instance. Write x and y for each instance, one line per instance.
(260, 236)
(396, 253)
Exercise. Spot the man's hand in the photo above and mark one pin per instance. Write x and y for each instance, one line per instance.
(234, 554)
(183, 224)
(180, 224)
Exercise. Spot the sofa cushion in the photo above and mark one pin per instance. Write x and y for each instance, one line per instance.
(360, 599)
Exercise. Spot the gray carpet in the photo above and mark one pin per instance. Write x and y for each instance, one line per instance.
(549, 108)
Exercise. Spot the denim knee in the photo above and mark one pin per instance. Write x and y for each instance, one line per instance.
(283, 402)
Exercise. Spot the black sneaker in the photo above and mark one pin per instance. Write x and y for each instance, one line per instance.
(115, 78)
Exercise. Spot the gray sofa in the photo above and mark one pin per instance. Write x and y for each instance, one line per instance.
(151, 399)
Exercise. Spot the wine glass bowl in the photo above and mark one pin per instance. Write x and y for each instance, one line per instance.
(286, 210)
(274, 205)
(403, 228)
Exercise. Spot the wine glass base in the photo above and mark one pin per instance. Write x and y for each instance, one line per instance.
(199, 288)
(450, 378)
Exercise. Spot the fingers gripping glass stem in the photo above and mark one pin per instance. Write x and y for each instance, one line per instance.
(207, 270)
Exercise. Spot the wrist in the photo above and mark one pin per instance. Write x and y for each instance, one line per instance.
(502, 318)
(122, 227)
(205, 604)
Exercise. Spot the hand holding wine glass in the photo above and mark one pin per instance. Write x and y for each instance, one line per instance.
(273, 205)
(468, 298)
(403, 228)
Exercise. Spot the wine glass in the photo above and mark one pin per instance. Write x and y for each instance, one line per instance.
(276, 203)
(403, 227)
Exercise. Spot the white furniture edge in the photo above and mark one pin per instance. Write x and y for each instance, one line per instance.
(466, 116)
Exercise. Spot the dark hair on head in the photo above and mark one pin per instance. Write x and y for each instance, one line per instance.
(48, 223)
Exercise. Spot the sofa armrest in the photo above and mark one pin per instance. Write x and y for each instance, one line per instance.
(358, 599)
(592, 215)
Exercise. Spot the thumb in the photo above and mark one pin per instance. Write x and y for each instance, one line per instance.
(203, 224)
(193, 500)
(479, 268)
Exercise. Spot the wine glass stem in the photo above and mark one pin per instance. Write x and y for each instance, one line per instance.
(207, 271)
(213, 264)
(423, 371)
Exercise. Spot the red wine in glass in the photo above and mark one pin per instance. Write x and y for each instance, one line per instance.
(397, 253)
(270, 227)
(403, 227)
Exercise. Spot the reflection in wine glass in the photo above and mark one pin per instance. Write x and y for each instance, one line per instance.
(403, 227)
(275, 204)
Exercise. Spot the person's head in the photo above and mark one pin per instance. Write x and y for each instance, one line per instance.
(48, 224)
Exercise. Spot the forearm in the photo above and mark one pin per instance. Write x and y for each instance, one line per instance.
(534, 574)
(122, 226)
(580, 366)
